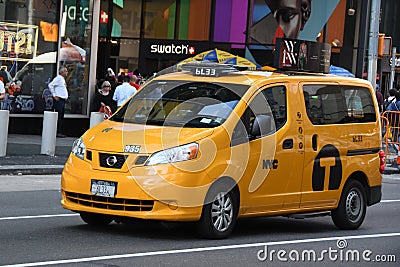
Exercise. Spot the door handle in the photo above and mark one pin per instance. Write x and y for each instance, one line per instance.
(315, 142)
(287, 144)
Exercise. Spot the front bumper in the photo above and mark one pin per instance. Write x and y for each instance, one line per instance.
(159, 193)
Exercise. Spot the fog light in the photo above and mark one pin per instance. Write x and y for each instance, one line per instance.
(173, 205)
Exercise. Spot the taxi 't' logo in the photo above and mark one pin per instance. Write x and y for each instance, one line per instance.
(327, 163)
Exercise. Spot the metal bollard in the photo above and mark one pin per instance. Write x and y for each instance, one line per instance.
(4, 117)
(96, 118)
(49, 132)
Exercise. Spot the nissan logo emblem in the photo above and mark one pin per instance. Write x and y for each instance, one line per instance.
(111, 160)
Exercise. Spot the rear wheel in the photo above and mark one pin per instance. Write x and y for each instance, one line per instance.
(95, 219)
(352, 207)
(219, 215)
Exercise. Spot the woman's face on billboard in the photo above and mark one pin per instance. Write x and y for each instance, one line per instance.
(288, 14)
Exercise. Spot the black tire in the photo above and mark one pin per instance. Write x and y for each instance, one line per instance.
(350, 213)
(96, 219)
(219, 214)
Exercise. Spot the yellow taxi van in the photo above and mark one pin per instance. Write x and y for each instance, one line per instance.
(211, 144)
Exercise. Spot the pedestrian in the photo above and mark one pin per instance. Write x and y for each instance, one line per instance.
(134, 82)
(137, 73)
(394, 121)
(4, 74)
(2, 89)
(58, 89)
(390, 98)
(120, 78)
(104, 97)
(379, 98)
(124, 91)
(395, 104)
(110, 76)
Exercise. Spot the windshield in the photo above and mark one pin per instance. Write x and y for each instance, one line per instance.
(181, 104)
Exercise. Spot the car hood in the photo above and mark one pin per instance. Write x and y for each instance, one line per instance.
(110, 136)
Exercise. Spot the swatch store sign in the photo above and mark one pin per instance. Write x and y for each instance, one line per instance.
(170, 50)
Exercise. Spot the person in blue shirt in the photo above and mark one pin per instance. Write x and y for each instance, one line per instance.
(124, 91)
(394, 120)
(395, 105)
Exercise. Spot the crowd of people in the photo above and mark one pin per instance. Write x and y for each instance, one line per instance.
(114, 90)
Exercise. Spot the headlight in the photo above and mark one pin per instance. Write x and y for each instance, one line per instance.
(79, 148)
(175, 154)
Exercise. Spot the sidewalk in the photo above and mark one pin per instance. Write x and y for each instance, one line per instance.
(23, 156)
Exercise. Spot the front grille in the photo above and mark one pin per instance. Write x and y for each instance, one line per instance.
(119, 163)
(109, 203)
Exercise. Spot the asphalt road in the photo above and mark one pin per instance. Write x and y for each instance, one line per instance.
(36, 231)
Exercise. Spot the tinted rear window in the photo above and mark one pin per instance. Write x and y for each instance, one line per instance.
(331, 104)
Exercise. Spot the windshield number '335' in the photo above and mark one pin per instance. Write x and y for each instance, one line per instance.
(131, 149)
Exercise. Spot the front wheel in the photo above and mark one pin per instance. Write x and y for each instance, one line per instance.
(352, 207)
(95, 219)
(219, 215)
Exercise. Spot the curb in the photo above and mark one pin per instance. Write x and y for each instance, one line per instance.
(391, 171)
(31, 170)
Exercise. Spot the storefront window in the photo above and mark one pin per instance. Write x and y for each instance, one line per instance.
(193, 17)
(75, 51)
(128, 59)
(230, 21)
(194, 20)
(28, 45)
(159, 19)
(120, 18)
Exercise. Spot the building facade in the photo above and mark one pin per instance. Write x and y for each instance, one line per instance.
(90, 36)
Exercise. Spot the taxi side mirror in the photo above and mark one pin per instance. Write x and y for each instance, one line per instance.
(262, 126)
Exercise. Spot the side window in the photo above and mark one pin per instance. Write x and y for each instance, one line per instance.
(270, 104)
(334, 104)
(360, 106)
(276, 97)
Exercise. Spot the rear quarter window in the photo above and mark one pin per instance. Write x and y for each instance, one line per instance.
(338, 104)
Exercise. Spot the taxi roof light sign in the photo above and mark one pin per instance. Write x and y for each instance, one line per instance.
(209, 69)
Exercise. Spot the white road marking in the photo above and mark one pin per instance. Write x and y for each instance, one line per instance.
(192, 250)
(390, 200)
(37, 216)
(391, 178)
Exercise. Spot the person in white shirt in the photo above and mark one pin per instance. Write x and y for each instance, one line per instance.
(124, 91)
(58, 89)
(2, 89)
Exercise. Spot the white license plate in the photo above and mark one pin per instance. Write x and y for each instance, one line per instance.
(103, 188)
